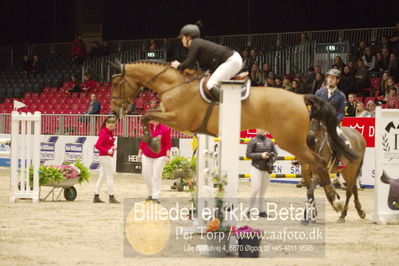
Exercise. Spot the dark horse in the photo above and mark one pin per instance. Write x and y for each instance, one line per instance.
(320, 142)
(282, 113)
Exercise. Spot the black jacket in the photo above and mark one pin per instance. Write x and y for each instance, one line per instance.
(347, 83)
(256, 147)
(209, 55)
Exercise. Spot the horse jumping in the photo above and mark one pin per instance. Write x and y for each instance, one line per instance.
(282, 113)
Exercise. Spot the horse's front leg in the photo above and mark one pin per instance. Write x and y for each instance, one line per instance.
(310, 212)
(157, 115)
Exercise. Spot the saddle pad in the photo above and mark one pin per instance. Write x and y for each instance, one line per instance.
(245, 90)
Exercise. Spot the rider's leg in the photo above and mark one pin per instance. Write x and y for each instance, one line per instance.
(341, 163)
(225, 71)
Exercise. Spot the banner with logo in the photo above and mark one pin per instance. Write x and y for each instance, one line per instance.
(387, 165)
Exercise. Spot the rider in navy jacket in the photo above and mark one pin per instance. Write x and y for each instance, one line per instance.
(332, 94)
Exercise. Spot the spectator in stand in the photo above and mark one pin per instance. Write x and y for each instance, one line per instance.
(95, 50)
(384, 83)
(335, 67)
(339, 62)
(270, 83)
(78, 49)
(362, 78)
(379, 63)
(369, 59)
(393, 68)
(360, 50)
(304, 39)
(153, 45)
(360, 111)
(73, 85)
(317, 70)
(287, 82)
(256, 76)
(347, 83)
(89, 84)
(385, 58)
(26, 65)
(266, 73)
(246, 61)
(352, 66)
(392, 99)
(350, 109)
(37, 66)
(384, 43)
(310, 78)
(95, 106)
(390, 85)
(316, 84)
(395, 40)
(279, 83)
(200, 25)
(297, 87)
(105, 50)
(370, 110)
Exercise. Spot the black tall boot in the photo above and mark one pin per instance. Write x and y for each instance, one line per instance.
(96, 199)
(215, 91)
(112, 199)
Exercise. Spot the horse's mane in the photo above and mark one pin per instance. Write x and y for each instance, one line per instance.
(186, 73)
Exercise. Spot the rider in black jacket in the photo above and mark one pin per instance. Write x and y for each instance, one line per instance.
(221, 61)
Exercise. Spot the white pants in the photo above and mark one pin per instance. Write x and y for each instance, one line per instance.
(152, 172)
(226, 71)
(106, 172)
(259, 181)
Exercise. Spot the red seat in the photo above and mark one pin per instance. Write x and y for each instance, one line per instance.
(47, 89)
(28, 94)
(54, 89)
(62, 90)
(45, 94)
(45, 100)
(106, 84)
(375, 83)
(75, 95)
(359, 99)
(83, 95)
(7, 100)
(35, 95)
(61, 100)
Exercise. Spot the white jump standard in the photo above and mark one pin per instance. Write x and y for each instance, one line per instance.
(25, 153)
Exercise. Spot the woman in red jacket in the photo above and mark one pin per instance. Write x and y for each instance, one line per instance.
(106, 146)
(153, 163)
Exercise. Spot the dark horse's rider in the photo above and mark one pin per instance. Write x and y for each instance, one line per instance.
(223, 62)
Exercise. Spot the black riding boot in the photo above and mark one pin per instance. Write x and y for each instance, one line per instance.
(215, 91)
(112, 199)
(96, 199)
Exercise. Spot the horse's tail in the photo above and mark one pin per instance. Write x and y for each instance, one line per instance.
(325, 113)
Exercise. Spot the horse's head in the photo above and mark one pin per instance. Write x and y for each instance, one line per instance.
(316, 134)
(123, 92)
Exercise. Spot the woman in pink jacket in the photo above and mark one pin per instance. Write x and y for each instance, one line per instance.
(106, 146)
(153, 163)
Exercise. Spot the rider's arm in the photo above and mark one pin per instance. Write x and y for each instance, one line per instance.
(191, 57)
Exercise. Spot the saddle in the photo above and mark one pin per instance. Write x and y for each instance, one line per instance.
(393, 196)
(207, 95)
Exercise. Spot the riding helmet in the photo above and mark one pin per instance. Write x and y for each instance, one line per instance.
(190, 29)
(334, 72)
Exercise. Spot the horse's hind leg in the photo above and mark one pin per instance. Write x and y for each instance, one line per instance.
(358, 206)
(319, 168)
(344, 212)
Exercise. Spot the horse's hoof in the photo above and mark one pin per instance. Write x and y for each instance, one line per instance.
(341, 220)
(362, 214)
(337, 205)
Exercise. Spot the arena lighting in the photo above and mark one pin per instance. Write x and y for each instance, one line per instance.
(331, 48)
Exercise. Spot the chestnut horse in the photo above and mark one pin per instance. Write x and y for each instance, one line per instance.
(282, 113)
(319, 141)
